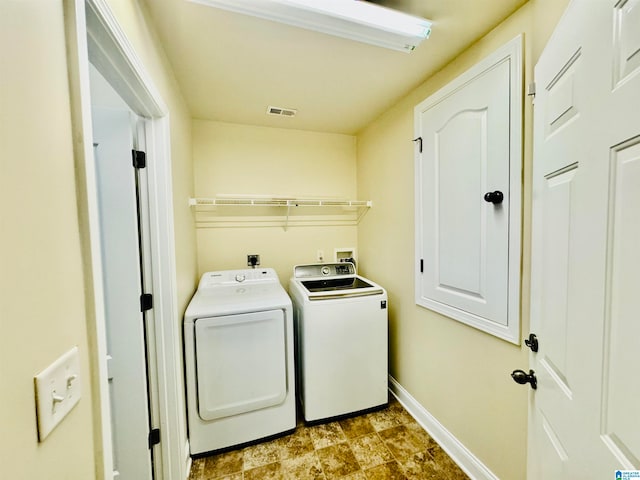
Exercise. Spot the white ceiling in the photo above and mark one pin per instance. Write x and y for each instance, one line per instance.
(230, 67)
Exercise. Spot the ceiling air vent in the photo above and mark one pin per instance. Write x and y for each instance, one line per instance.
(281, 112)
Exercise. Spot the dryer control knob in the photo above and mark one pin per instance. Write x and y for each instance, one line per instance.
(325, 271)
(240, 278)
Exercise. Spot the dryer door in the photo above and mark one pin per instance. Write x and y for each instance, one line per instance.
(240, 363)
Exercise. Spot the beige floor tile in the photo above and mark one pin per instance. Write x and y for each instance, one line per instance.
(398, 411)
(421, 435)
(383, 419)
(401, 442)
(337, 461)
(222, 464)
(421, 466)
(295, 444)
(455, 473)
(359, 475)
(273, 471)
(370, 451)
(326, 435)
(448, 466)
(386, 471)
(233, 476)
(197, 467)
(260, 454)
(356, 426)
(303, 467)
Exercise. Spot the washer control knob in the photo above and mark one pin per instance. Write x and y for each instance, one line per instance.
(240, 278)
(325, 270)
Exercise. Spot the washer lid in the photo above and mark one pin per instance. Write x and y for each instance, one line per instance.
(336, 287)
(335, 284)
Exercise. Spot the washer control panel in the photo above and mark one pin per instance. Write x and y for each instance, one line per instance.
(324, 270)
(247, 275)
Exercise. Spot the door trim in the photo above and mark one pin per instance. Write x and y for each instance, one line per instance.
(93, 32)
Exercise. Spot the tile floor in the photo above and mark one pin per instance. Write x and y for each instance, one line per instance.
(387, 444)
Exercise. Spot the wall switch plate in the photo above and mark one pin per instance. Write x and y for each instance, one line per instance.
(57, 390)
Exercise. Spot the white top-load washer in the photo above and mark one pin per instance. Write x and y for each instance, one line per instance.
(238, 337)
(342, 335)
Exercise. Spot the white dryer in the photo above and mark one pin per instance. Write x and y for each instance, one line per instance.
(238, 337)
(341, 332)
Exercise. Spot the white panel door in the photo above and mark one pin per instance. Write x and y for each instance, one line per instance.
(584, 418)
(122, 284)
(464, 239)
(465, 248)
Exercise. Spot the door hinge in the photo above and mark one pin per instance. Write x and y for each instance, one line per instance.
(139, 158)
(154, 437)
(421, 265)
(419, 140)
(531, 90)
(146, 302)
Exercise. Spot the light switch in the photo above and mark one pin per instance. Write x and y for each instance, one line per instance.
(57, 390)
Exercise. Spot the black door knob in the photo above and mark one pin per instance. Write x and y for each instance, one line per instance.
(522, 377)
(494, 197)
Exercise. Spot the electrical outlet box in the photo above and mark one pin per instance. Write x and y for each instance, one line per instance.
(253, 260)
(57, 390)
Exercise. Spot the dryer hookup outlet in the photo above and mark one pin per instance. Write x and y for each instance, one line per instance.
(253, 260)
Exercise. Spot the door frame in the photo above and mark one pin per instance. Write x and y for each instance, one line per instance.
(93, 33)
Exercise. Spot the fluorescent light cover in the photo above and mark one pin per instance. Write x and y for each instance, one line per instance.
(367, 14)
(354, 19)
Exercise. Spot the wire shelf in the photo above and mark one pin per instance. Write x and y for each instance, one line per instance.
(342, 211)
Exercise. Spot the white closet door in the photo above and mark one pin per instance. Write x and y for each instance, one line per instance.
(240, 363)
(126, 339)
(466, 142)
(468, 197)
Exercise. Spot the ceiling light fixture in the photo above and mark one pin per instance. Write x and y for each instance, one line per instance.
(353, 19)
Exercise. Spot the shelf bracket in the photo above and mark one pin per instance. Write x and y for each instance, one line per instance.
(286, 221)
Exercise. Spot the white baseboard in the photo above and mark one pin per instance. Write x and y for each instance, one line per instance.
(466, 460)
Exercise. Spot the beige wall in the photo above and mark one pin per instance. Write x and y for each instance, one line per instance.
(242, 159)
(42, 283)
(42, 308)
(459, 374)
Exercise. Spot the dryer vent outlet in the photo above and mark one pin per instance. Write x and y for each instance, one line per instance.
(253, 260)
